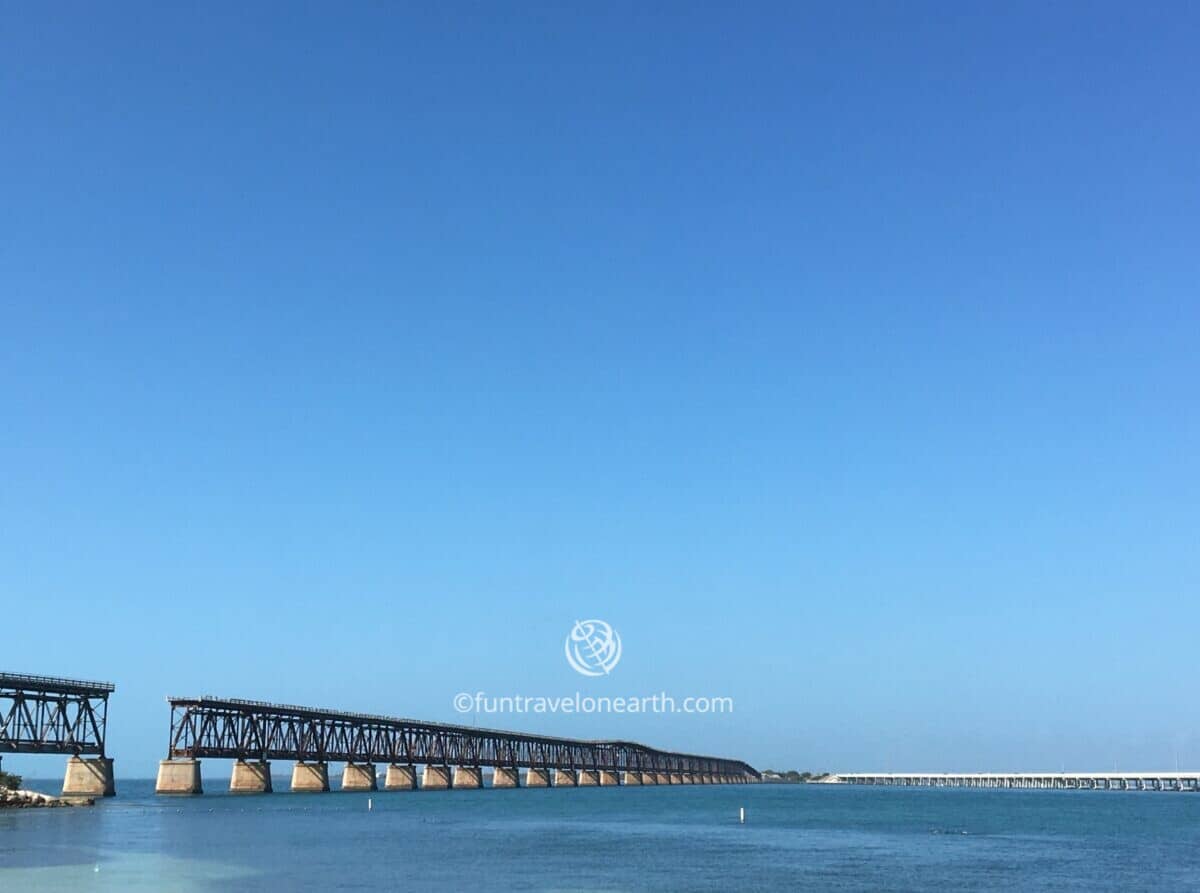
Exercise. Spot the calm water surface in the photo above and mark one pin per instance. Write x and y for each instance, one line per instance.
(607, 839)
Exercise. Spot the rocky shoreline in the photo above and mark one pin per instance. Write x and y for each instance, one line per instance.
(32, 799)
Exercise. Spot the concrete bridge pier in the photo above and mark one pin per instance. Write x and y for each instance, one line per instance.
(359, 777)
(436, 778)
(687, 778)
(649, 778)
(632, 778)
(91, 777)
(178, 777)
(609, 778)
(537, 778)
(400, 778)
(565, 778)
(250, 777)
(468, 777)
(589, 778)
(506, 778)
(662, 778)
(310, 778)
(676, 778)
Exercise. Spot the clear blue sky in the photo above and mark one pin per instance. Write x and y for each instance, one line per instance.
(843, 357)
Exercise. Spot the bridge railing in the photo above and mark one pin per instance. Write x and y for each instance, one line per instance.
(54, 684)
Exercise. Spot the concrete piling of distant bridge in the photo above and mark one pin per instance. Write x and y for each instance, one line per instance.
(48, 715)
(418, 755)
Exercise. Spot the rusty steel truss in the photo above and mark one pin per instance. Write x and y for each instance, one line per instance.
(41, 714)
(254, 730)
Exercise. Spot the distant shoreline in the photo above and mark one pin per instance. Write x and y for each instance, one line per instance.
(792, 776)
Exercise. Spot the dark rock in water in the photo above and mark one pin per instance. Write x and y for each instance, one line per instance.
(10, 799)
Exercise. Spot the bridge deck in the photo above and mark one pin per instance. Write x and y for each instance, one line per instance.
(944, 776)
(1158, 781)
(53, 685)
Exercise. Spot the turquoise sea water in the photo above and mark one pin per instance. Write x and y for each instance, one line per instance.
(608, 839)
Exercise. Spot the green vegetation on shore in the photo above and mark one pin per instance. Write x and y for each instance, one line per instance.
(10, 781)
(791, 776)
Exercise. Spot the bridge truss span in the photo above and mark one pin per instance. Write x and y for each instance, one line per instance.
(45, 714)
(51, 715)
(254, 730)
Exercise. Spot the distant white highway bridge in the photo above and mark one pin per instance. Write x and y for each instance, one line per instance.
(1087, 781)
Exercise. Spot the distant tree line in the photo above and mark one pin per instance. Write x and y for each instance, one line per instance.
(791, 776)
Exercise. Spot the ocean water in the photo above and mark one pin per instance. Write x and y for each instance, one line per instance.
(811, 837)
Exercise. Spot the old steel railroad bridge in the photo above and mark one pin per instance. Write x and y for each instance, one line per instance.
(253, 732)
(44, 714)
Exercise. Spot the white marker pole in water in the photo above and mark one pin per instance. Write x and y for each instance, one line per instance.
(742, 815)
(370, 805)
